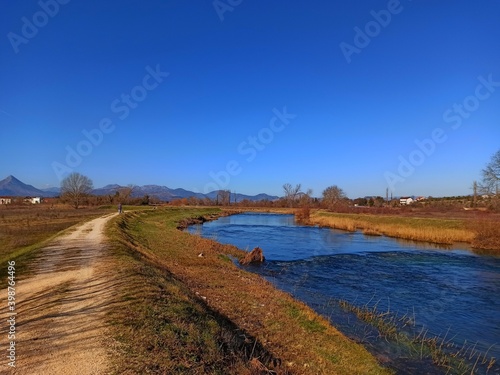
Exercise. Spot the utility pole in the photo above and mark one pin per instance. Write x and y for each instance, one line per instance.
(474, 188)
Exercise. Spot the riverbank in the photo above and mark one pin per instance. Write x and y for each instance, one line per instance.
(481, 233)
(188, 309)
(378, 277)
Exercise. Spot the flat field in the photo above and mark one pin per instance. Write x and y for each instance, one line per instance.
(27, 226)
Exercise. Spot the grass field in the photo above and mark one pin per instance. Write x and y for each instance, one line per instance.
(190, 314)
(23, 229)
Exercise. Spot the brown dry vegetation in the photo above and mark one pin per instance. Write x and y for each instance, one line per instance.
(22, 227)
(192, 315)
(478, 229)
(487, 234)
(417, 229)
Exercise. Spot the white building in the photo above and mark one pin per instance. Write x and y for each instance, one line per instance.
(33, 200)
(5, 200)
(404, 201)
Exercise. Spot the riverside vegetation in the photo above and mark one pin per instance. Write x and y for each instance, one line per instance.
(455, 359)
(482, 233)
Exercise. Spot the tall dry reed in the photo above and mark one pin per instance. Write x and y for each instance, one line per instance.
(415, 229)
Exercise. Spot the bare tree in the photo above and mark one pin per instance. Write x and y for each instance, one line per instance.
(491, 175)
(224, 197)
(75, 188)
(474, 196)
(124, 193)
(333, 196)
(305, 198)
(291, 192)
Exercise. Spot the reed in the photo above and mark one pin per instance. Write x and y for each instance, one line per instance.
(456, 359)
(487, 234)
(441, 231)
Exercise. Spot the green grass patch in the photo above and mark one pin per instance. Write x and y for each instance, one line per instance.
(309, 325)
(224, 258)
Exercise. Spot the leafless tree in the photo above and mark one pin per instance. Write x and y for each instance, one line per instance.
(291, 192)
(305, 198)
(491, 175)
(474, 196)
(124, 193)
(224, 197)
(333, 196)
(75, 188)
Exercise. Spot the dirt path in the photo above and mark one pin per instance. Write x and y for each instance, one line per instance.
(60, 327)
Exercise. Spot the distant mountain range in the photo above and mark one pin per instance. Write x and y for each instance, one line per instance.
(11, 186)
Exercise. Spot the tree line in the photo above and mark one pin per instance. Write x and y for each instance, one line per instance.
(76, 189)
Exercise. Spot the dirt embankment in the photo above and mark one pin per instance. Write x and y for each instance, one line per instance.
(60, 325)
(184, 223)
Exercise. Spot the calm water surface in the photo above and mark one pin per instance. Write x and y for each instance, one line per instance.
(450, 293)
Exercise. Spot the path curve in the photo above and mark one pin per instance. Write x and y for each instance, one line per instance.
(60, 322)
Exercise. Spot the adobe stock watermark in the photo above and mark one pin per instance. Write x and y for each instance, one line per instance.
(249, 148)
(223, 6)
(455, 116)
(121, 107)
(372, 29)
(30, 26)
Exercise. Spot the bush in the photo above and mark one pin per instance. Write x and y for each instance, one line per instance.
(302, 215)
(487, 234)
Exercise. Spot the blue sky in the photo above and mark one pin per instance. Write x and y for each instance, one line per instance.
(248, 95)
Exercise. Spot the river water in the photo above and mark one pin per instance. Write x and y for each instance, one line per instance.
(451, 294)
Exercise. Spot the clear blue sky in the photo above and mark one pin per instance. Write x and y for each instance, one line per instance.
(329, 93)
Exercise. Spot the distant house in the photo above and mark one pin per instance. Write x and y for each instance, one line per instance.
(33, 200)
(404, 201)
(5, 200)
(420, 199)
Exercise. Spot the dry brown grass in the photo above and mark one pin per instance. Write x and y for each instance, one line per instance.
(288, 336)
(303, 214)
(487, 234)
(436, 230)
(24, 228)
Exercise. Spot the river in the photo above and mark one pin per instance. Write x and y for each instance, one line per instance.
(450, 294)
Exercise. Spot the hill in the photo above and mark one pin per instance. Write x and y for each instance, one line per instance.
(11, 186)
(167, 194)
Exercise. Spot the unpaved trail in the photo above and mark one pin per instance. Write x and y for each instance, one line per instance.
(60, 325)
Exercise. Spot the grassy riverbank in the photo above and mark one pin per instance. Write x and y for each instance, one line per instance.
(443, 231)
(183, 313)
